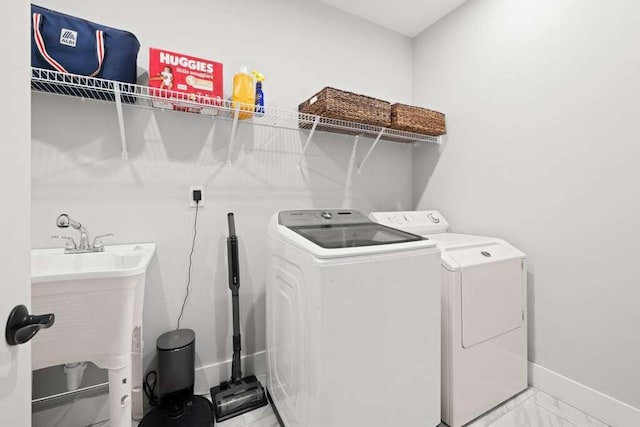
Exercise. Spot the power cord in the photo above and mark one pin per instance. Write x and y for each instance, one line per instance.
(150, 388)
(197, 197)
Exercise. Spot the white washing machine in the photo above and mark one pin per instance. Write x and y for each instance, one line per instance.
(484, 330)
(353, 322)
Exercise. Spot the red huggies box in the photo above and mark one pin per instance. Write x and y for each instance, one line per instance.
(194, 79)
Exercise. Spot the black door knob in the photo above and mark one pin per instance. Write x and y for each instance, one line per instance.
(21, 326)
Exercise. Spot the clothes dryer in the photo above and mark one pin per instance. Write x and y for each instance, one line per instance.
(484, 327)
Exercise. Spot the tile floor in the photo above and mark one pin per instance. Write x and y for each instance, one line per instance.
(534, 408)
(531, 408)
(261, 417)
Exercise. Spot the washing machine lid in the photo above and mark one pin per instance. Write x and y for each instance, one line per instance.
(345, 232)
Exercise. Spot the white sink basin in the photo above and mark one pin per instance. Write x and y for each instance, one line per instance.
(97, 299)
(49, 265)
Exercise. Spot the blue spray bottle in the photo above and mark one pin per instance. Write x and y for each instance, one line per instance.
(259, 94)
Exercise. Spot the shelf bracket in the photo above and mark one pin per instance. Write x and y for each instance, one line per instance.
(353, 153)
(123, 138)
(346, 197)
(306, 144)
(373, 146)
(234, 128)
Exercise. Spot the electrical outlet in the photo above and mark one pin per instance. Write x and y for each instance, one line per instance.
(192, 201)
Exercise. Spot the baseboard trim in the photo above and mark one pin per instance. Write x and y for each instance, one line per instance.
(211, 375)
(599, 405)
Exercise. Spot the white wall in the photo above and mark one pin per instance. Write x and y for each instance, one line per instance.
(300, 47)
(15, 288)
(543, 99)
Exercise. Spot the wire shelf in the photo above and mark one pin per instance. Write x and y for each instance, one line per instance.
(160, 99)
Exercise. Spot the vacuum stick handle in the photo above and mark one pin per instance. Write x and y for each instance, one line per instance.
(234, 267)
(232, 224)
(232, 256)
(234, 285)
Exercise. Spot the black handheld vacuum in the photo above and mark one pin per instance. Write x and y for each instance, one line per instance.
(238, 395)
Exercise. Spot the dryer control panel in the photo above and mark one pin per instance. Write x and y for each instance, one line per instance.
(417, 222)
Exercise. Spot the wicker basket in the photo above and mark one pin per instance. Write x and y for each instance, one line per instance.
(337, 104)
(417, 120)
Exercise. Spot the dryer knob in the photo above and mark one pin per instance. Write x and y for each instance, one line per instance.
(326, 215)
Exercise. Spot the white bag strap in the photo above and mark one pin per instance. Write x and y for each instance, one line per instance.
(37, 21)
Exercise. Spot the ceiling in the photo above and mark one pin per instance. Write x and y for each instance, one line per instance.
(408, 17)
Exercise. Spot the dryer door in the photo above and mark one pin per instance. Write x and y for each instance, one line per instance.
(491, 293)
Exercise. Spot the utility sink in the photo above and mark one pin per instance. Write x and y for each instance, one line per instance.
(49, 265)
(97, 299)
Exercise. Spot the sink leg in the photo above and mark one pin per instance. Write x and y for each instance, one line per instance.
(120, 397)
(137, 409)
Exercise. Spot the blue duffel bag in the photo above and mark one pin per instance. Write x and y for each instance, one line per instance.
(73, 45)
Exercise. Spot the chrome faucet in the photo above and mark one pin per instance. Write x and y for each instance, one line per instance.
(65, 221)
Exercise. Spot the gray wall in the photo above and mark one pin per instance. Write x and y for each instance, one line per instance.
(300, 47)
(543, 100)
